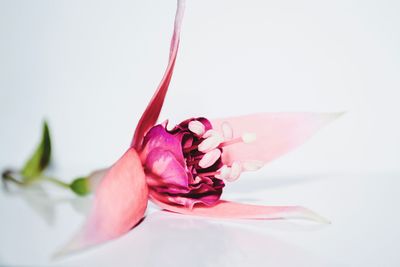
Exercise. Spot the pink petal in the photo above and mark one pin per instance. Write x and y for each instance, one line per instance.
(120, 203)
(276, 133)
(158, 137)
(150, 115)
(232, 210)
(163, 164)
(95, 178)
(203, 194)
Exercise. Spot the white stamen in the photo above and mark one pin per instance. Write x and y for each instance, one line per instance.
(249, 137)
(197, 127)
(211, 142)
(252, 165)
(210, 158)
(227, 130)
(210, 133)
(236, 170)
(224, 172)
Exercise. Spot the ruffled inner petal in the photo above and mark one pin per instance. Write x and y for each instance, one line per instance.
(172, 168)
(164, 165)
(158, 137)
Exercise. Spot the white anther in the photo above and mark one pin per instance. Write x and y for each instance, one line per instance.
(211, 132)
(210, 143)
(197, 127)
(210, 158)
(249, 137)
(224, 173)
(236, 170)
(252, 165)
(227, 130)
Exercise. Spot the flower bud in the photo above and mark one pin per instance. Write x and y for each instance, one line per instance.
(80, 186)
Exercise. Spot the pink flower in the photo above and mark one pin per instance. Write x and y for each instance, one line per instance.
(184, 170)
(177, 171)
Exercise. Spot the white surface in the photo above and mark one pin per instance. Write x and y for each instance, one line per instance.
(91, 66)
(364, 229)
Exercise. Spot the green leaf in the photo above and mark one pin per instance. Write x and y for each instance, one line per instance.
(80, 186)
(40, 159)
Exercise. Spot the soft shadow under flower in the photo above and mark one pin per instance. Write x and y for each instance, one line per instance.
(168, 239)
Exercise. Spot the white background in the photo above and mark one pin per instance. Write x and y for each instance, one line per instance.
(90, 68)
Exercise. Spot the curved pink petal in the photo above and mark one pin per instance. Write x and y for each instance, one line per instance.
(276, 133)
(158, 137)
(185, 200)
(166, 167)
(120, 203)
(95, 178)
(150, 115)
(232, 210)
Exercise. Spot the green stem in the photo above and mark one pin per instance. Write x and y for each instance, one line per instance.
(55, 181)
(8, 175)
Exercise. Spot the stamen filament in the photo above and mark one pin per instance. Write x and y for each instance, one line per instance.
(231, 142)
(245, 138)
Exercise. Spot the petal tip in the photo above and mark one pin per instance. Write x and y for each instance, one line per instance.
(304, 213)
(76, 244)
(120, 203)
(329, 117)
(323, 119)
(339, 114)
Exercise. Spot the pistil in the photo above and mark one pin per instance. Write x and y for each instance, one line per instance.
(246, 138)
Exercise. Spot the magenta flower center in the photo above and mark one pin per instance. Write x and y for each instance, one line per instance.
(200, 147)
(184, 165)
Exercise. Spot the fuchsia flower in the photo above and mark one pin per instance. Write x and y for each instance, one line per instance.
(179, 168)
(184, 170)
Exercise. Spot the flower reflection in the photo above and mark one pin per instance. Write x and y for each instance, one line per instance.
(44, 204)
(168, 239)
